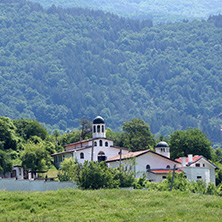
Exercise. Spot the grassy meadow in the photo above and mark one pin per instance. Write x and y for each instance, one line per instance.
(108, 205)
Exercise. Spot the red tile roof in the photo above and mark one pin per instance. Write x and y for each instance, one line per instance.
(195, 158)
(136, 154)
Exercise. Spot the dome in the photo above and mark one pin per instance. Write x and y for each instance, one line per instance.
(98, 120)
(162, 144)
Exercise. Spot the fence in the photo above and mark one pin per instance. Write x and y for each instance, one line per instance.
(33, 185)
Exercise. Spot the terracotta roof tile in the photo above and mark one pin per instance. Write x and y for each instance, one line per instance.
(195, 158)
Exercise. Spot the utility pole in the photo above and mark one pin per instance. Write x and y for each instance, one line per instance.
(120, 158)
(92, 150)
(174, 168)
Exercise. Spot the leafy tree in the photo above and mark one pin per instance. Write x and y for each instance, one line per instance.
(190, 141)
(7, 134)
(35, 157)
(86, 128)
(137, 135)
(27, 128)
(5, 162)
(96, 175)
(69, 170)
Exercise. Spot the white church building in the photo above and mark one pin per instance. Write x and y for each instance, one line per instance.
(99, 148)
(155, 165)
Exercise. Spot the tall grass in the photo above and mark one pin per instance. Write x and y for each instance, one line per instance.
(109, 205)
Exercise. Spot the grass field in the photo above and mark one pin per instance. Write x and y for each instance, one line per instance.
(108, 205)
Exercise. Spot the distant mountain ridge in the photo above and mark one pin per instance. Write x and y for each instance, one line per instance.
(160, 11)
(60, 65)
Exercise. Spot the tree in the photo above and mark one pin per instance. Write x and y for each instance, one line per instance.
(7, 134)
(35, 157)
(69, 170)
(27, 128)
(137, 135)
(190, 141)
(86, 128)
(5, 162)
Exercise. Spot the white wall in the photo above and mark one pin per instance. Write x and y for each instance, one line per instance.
(155, 162)
(206, 171)
(36, 185)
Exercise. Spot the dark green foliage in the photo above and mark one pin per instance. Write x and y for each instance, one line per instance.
(7, 134)
(160, 11)
(35, 157)
(5, 162)
(137, 135)
(27, 128)
(94, 175)
(190, 141)
(219, 177)
(63, 64)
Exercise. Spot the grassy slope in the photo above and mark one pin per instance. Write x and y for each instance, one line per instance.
(108, 205)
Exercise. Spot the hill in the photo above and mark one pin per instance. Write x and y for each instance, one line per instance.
(60, 65)
(160, 11)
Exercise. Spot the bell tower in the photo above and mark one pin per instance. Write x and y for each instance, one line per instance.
(98, 128)
(163, 149)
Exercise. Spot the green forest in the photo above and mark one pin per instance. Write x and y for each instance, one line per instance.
(60, 65)
(160, 11)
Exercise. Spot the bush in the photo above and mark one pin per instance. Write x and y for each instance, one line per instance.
(96, 175)
(198, 187)
(211, 189)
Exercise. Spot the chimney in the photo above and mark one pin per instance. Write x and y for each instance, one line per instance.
(190, 158)
(183, 161)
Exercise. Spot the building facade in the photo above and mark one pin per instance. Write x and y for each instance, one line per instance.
(99, 148)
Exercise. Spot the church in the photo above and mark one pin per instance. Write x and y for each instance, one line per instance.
(154, 165)
(99, 148)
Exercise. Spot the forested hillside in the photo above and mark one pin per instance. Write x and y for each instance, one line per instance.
(60, 65)
(159, 10)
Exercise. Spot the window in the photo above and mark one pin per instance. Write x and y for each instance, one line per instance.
(101, 143)
(98, 129)
(163, 177)
(95, 143)
(94, 129)
(162, 150)
(101, 156)
(102, 128)
(197, 165)
(147, 167)
(106, 143)
(203, 165)
(20, 171)
(199, 177)
(81, 155)
(168, 167)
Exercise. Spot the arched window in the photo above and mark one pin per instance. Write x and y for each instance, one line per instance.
(102, 128)
(101, 156)
(81, 155)
(168, 167)
(147, 167)
(106, 143)
(98, 129)
(95, 143)
(94, 129)
(101, 143)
